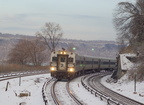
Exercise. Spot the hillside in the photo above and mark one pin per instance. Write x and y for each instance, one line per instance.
(96, 48)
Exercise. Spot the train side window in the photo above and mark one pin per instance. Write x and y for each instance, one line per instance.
(70, 60)
(95, 62)
(106, 63)
(54, 58)
(112, 63)
(88, 62)
(77, 62)
(62, 59)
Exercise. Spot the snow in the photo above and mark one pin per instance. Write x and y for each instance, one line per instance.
(125, 63)
(63, 95)
(126, 88)
(33, 86)
(83, 95)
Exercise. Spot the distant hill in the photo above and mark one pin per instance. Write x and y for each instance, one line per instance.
(96, 48)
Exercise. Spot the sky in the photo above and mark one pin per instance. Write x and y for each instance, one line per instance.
(79, 19)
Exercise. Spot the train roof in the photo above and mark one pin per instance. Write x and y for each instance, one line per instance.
(68, 52)
(96, 57)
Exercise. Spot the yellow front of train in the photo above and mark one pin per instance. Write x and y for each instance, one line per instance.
(62, 65)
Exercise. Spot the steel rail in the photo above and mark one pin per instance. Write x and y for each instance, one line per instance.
(56, 101)
(111, 96)
(21, 75)
(72, 95)
(121, 98)
(44, 93)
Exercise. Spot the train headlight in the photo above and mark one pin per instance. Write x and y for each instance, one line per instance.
(71, 69)
(52, 68)
(64, 52)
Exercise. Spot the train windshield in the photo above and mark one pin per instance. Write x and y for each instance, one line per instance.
(70, 60)
(63, 59)
(54, 59)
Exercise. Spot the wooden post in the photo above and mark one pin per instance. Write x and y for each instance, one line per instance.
(20, 80)
(78, 84)
(7, 86)
(135, 83)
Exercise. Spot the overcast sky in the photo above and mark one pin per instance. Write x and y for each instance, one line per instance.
(79, 19)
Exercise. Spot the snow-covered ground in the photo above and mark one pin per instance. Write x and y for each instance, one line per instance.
(33, 86)
(83, 95)
(126, 64)
(126, 88)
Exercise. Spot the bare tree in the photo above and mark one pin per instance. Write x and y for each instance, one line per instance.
(28, 51)
(17, 54)
(51, 33)
(36, 52)
(129, 22)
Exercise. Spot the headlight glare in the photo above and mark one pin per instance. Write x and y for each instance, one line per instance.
(52, 68)
(71, 70)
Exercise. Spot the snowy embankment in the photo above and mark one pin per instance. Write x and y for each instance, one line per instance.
(31, 86)
(126, 64)
(83, 95)
(126, 88)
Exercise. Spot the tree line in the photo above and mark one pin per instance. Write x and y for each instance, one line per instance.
(35, 51)
(129, 24)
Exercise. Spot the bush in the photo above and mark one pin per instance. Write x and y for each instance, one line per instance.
(139, 73)
(5, 68)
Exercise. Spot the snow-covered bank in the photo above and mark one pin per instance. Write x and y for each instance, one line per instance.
(126, 88)
(83, 95)
(31, 85)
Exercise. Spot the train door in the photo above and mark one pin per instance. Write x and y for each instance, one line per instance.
(99, 64)
(62, 62)
(92, 64)
(109, 64)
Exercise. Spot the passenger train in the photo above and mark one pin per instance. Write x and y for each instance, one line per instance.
(67, 65)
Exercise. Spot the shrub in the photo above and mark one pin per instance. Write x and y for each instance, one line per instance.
(139, 73)
(5, 68)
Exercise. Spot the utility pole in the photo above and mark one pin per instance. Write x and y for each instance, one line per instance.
(134, 83)
(19, 80)
(7, 86)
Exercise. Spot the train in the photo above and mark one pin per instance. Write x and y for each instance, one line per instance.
(68, 65)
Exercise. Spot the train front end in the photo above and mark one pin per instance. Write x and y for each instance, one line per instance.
(62, 65)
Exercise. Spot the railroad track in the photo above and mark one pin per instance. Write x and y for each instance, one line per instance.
(60, 93)
(20, 74)
(72, 95)
(92, 83)
(53, 94)
(6, 78)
